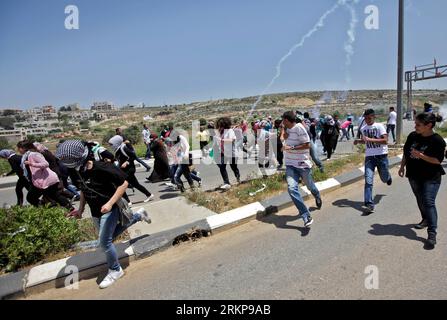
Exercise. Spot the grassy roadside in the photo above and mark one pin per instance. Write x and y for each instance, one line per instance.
(276, 184)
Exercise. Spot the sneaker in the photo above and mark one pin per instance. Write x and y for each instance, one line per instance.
(389, 182)
(200, 184)
(150, 198)
(111, 278)
(369, 209)
(144, 215)
(225, 187)
(308, 222)
(169, 184)
(129, 204)
(421, 225)
(318, 203)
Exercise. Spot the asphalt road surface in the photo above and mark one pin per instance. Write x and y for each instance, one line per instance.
(276, 258)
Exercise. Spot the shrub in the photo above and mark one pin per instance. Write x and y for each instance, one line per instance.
(4, 144)
(29, 234)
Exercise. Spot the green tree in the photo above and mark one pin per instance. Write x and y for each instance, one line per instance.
(85, 124)
(7, 122)
(4, 144)
(34, 138)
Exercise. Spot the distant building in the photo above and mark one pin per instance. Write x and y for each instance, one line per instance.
(103, 106)
(41, 113)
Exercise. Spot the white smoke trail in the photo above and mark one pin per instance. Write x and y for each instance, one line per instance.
(349, 44)
(318, 26)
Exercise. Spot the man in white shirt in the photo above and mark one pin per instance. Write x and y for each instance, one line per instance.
(296, 144)
(391, 123)
(147, 141)
(375, 138)
(182, 147)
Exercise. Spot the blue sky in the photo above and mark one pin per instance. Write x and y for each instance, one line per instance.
(180, 51)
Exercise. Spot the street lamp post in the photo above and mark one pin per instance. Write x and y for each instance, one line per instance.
(400, 72)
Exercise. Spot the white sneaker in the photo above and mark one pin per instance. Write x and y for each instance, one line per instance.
(144, 215)
(225, 187)
(150, 198)
(129, 204)
(111, 278)
(169, 184)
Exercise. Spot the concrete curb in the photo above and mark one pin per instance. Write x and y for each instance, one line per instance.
(92, 264)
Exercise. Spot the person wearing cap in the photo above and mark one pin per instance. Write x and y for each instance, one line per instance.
(375, 138)
(102, 185)
(15, 162)
(428, 107)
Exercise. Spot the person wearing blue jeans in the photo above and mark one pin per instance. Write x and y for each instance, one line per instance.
(375, 138)
(421, 164)
(296, 145)
(102, 185)
(109, 229)
(371, 163)
(293, 175)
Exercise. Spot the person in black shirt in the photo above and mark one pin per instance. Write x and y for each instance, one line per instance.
(15, 161)
(423, 155)
(126, 156)
(102, 185)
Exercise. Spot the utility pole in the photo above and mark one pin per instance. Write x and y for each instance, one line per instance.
(400, 72)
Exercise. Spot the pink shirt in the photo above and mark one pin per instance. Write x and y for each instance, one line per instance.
(346, 124)
(42, 176)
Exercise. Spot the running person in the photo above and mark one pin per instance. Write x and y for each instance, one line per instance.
(296, 143)
(376, 140)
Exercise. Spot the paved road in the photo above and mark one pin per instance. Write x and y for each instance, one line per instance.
(277, 259)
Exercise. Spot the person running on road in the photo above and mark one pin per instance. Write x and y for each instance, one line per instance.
(376, 156)
(126, 157)
(43, 180)
(224, 142)
(102, 185)
(421, 164)
(15, 162)
(119, 132)
(296, 143)
(391, 123)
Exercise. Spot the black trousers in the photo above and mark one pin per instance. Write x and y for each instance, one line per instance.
(223, 169)
(21, 183)
(134, 182)
(52, 193)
